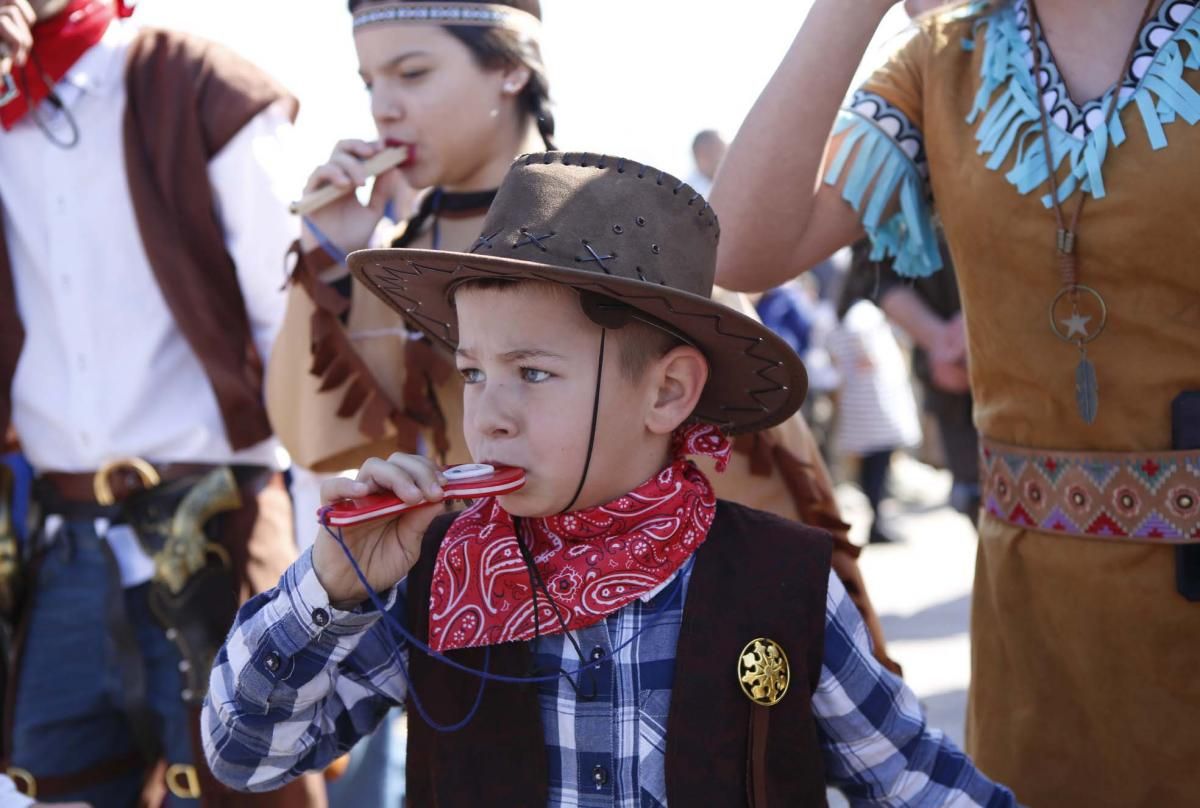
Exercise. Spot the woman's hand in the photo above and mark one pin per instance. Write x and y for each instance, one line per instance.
(948, 357)
(346, 221)
(385, 549)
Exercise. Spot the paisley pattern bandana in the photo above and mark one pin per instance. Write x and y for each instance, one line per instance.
(593, 561)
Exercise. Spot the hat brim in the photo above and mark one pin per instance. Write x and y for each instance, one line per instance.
(755, 378)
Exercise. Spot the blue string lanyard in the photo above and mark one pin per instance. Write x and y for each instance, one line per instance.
(485, 675)
(324, 242)
(338, 254)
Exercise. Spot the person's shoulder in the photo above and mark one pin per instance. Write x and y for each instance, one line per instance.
(181, 47)
(948, 30)
(950, 23)
(210, 67)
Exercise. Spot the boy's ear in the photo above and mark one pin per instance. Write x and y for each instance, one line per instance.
(679, 376)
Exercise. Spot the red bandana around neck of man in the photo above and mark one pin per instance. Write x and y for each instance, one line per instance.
(593, 561)
(57, 45)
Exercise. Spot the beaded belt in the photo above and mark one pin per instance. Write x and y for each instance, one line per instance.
(1151, 496)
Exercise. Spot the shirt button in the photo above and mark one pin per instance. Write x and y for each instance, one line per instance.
(272, 661)
(597, 654)
(599, 776)
(320, 617)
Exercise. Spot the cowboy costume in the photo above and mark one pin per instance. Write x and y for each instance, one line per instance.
(138, 301)
(623, 630)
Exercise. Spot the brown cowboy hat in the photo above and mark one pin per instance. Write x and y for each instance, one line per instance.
(621, 231)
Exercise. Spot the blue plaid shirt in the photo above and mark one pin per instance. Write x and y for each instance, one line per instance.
(298, 682)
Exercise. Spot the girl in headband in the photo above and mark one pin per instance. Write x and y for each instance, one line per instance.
(462, 88)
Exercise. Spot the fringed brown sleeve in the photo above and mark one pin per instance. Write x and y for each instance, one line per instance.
(339, 367)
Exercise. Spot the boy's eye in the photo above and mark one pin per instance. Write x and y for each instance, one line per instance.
(412, 75)
(534, 375)
(471, 375)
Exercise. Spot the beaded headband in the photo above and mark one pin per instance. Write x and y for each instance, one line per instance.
(487, 15)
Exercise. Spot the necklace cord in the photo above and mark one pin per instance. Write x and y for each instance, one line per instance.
(1067, 261)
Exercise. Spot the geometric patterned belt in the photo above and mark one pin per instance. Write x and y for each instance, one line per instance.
(1138, 496)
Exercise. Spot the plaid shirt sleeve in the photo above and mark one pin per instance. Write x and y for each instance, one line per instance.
(285, 695)
(877, 747)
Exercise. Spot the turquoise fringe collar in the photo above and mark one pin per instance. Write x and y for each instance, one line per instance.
(1010, 131)
(877, 171)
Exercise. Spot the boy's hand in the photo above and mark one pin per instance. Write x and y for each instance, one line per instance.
(386, 549)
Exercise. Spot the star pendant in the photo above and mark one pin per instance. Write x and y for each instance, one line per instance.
(1076, 324)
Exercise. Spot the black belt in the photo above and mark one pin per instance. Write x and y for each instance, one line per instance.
(73, 495)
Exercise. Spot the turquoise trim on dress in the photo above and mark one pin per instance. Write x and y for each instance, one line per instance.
(1011, 119)
(880, 166)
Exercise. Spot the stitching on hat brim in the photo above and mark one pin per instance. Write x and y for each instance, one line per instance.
(390, 274)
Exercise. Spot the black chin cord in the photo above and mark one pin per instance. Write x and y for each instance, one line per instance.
(537, 582)
(587, 463)
(535, 577)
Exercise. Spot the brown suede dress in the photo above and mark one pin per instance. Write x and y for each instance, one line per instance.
(1084, 657)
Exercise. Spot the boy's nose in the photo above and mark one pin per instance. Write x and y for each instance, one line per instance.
(493, 413)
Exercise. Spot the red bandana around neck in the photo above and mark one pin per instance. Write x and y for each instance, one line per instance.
(593, 561)
(57, 45)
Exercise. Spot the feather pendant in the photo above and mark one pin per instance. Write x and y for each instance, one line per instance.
(1087, 395)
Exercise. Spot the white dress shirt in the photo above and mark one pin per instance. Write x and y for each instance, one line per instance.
(10, 797)
(105, 372)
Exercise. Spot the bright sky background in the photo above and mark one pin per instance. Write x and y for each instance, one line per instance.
(637, 78)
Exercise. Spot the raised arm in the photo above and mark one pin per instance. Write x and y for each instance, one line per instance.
(777, 217)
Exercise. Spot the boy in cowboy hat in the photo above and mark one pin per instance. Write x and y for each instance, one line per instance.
(620, 636)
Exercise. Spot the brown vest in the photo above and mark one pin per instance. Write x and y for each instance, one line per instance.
(755, 576)
(187, 98)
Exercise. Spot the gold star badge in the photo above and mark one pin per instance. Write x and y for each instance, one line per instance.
(763, 671)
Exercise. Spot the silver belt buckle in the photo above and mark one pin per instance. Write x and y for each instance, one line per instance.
(8, 89)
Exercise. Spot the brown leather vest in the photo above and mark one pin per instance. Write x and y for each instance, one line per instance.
(756, 575)
(186, 99)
